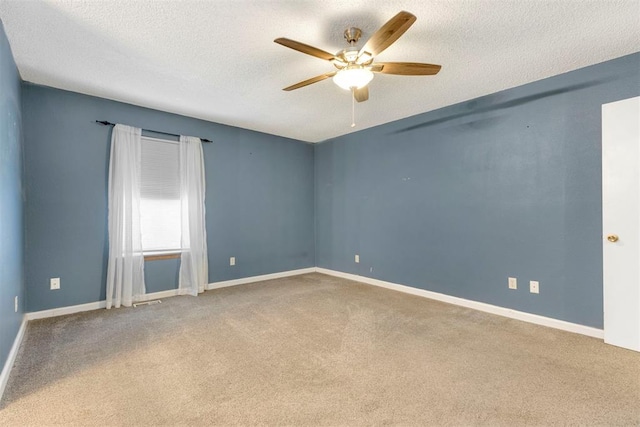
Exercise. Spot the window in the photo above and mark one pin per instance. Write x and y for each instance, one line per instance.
(156, 209)
(160, 215)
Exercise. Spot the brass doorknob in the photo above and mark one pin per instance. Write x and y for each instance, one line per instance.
(612, 238)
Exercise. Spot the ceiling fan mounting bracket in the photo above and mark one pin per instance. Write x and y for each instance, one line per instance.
(352, 35)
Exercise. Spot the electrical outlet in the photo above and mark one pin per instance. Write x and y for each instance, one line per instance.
(513, 283)
(357, 258)
(54, 283)
(232, 260)
(15, 304)
(534, 287)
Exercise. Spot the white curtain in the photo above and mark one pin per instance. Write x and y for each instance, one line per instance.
(194, 267)
(125, 273)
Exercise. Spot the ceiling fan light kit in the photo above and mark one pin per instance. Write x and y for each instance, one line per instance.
(353, 77)
(356, 67)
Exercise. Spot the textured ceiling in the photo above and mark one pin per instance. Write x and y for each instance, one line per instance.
(216, 60)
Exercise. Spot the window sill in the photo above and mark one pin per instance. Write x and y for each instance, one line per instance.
(158, 257)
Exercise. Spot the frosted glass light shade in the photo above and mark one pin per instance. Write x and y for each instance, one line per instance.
(353, 78)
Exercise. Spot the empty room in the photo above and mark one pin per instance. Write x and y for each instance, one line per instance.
(335, 213)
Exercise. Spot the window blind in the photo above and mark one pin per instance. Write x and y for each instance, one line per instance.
(160, 195)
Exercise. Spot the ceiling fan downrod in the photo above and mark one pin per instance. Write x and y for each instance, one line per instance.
(352, 35)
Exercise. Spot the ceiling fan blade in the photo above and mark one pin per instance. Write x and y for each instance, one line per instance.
(361, 94)
(310, 81)
(305, 48)
(407, 68)
(387, 34)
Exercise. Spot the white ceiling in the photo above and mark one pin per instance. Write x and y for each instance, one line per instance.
(216, 60)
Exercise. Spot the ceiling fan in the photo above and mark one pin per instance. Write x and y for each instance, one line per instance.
(355, 65)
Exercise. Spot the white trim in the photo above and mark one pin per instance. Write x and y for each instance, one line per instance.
(55, 312)
(480, 306)
(487, 308)
(245, 280)
(11, 358)
(157, 295)
(162, 252)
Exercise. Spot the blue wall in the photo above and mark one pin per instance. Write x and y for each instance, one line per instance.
(11, 204)
(259, 197)
(458, 199)
(453, 201)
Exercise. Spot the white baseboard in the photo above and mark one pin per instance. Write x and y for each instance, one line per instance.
(245, 280)
(487, 308)
(8, 365)
(55, 312)
(158, 295)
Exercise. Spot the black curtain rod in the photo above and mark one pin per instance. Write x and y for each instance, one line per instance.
(106, 123)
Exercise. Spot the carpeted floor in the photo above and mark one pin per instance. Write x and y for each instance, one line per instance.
(314, 350)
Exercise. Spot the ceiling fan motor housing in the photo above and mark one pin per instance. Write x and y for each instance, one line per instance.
(349, 54)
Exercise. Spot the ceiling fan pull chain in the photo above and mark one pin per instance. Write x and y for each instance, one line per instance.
(353, 107)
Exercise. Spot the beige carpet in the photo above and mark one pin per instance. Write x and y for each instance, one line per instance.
(314, 350)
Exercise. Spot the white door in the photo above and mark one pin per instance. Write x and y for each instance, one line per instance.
(621, 222)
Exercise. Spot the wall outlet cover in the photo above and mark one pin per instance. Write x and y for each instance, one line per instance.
(54, 283)
(513, 283)
(534, 287)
